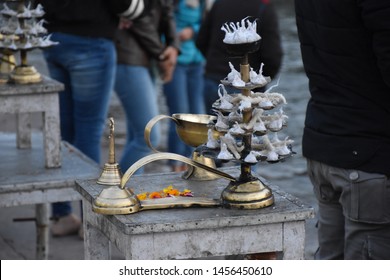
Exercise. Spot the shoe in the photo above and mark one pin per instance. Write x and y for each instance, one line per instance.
(66, 225)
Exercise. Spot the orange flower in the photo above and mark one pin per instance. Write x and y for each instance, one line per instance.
(173, 192)
(155, 195)
(168, 191)
(142, 196)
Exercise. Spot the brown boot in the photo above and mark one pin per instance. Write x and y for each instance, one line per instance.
(66, 225)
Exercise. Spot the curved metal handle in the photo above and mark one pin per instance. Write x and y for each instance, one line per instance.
(163, 156)
(149, 126)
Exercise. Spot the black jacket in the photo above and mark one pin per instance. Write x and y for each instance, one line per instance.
(210, 37)
(94, 18)
(142, 41)
(345, 47)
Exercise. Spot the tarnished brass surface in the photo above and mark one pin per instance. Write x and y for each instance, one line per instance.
(7, 65)
(249, 195)
(111, 174)
(163, 156)
(115, 200)
(199, 174)
(178, 202)
(25, 75)
(191, 128)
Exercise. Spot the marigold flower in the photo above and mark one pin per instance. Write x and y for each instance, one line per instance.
(173, 192)
(168, 189)
(142, 196)
(155, 195)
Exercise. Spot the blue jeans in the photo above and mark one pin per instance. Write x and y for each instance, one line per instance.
(137, 93)
(184, 94)
(86, 67)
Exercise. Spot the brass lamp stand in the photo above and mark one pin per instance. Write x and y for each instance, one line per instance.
(21, 32)
(248, 192)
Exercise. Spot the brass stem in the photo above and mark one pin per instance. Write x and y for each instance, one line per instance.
(111, 147)
(163, 156)
(247, 116)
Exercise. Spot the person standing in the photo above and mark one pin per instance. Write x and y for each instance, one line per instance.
(84, 61)
(345, 50)
(184, 93)
(141, 44)
(210, 42)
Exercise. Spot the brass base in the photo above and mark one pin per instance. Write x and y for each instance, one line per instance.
(111, 175)
(25, 75)
(199, 174)
(115, 200)
(249, 195)
(7, 65)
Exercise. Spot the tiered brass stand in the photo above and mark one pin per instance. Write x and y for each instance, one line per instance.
(248, 192)
(23, 39)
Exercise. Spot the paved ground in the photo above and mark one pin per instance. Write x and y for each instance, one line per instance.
(17, 239)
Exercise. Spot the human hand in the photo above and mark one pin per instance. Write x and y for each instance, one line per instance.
(167, 63)
(125, 23)
(186, 34)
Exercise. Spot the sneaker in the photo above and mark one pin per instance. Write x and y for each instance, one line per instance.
(66, 225)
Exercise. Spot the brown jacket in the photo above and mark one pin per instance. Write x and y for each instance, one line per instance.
(142, 42)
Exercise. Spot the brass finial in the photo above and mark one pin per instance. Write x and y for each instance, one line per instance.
(111, 145)
(111, 174)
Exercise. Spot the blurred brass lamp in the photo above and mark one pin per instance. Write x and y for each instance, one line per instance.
(21, 29)
(7, 65)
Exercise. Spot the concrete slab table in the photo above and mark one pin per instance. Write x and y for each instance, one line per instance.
(193, 232)
(25, 180)
(24, 99)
